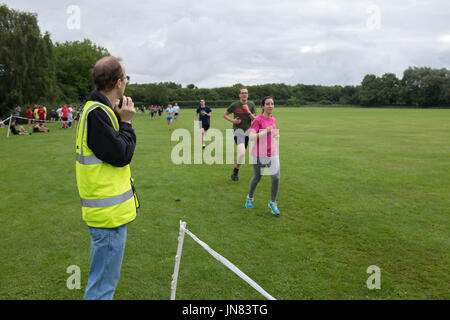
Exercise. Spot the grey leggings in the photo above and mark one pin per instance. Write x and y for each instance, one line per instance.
(273, 164)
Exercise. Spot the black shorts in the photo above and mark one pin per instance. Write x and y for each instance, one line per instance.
(205, 126)
(238, 139)
(64, 119)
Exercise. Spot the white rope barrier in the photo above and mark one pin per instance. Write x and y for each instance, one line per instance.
(7, 119)
(217, 256)
(37, 120)
(11, 118)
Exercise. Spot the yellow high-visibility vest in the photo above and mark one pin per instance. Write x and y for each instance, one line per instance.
(108, 198)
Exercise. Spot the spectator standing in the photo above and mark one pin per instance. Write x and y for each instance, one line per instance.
(64, 117)
(29, 116)
(41, 114)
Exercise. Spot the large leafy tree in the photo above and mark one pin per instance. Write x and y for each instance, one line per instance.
(74, 62)
(389, 89)
(370, 87)
(26, 61)
(426, 87)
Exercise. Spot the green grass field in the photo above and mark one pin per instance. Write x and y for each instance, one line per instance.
(359, 187)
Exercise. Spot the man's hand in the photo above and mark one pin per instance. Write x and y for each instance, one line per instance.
(237, 120)
(127, 111)
(246, 108)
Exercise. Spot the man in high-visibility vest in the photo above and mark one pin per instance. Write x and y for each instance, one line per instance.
(105, 145)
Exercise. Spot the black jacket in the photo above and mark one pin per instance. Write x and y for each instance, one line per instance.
(109, 145)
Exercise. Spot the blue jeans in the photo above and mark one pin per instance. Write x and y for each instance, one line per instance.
(107, 248)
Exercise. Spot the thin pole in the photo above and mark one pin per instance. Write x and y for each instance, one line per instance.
(178, 260)
(9, 126)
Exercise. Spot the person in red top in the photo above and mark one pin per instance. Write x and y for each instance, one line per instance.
(41, 113)
(29, 116)
(65, 116)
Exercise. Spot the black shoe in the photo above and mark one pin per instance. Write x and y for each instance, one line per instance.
(234, 177)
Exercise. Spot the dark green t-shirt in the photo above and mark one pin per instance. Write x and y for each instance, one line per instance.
(237, 109)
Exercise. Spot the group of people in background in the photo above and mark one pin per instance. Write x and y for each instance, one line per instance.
(153, 110)
(38, 116)
(171, 112)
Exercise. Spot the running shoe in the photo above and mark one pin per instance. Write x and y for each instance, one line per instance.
(274, 208)
(249, 203)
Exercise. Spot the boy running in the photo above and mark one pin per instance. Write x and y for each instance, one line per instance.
(205, 116)
(169, 116)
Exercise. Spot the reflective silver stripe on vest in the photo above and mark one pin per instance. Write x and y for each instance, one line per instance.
(107, 202)
(88, 160)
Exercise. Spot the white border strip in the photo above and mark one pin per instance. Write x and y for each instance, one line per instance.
(217, 256)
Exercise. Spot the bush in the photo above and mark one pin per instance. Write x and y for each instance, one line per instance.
(325, 102)
(293, 102)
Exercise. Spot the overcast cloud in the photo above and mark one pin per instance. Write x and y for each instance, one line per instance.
(220, 43)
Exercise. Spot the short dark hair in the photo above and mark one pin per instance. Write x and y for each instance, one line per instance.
(106, 72)
(242, 89)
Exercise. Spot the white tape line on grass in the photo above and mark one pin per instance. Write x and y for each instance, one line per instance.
(228, 264)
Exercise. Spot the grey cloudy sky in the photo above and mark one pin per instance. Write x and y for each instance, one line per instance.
(220, 43)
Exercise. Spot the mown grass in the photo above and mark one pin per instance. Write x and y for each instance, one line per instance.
(359, 187)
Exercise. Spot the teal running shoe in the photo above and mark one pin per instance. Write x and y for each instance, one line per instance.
(274, 208)
(249, 203)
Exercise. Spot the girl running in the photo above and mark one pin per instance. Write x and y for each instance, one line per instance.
(265, 153)
(169, 116)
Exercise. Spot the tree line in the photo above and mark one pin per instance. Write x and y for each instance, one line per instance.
(34, 70)
(419, 87)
